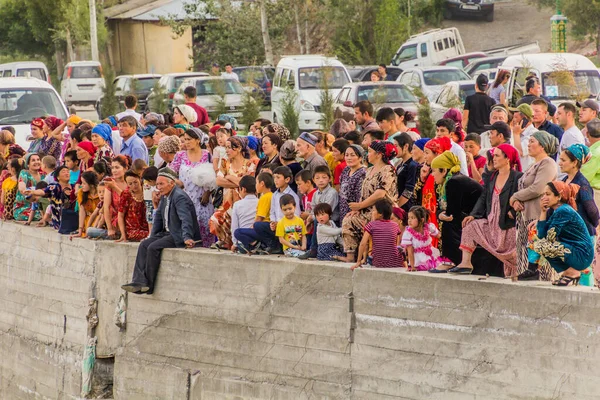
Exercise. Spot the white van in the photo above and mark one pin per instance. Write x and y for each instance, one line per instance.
(581, 77)
(34, 69)
(304, 74)
(429, 48)
(82, 82)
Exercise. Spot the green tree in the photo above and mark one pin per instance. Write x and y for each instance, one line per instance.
(158, 101)
(109, 104)
(326, 97)
(289, 110)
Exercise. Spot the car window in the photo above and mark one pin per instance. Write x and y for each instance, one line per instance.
(215, 87)
(317, 77)
(20, 106)
(343, 96)
(87, 72)
(251, 75)
(455, 63)
(440, 77)
(465, 90)
(557, 85)
(406, 53)
(415, 80)
(145, 84)
(406, 78)
(386, 94)
(38, 73)
(291, 78)
(277, 80)
(7, 73)
(423, 49)
(270, 72)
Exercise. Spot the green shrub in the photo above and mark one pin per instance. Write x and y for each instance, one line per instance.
(290, 113)
(109, 105)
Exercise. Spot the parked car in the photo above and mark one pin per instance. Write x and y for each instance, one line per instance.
(452, 95)
(23, 99)
(476, 8)
(463, 60)
(208, 89)
(262, 77)
(354, 70)
(34, 69)
(141, 85)
(431, 79)
(171, 83)
(380, 94)
(490, 73)
(82, 82)
(305, 75)
(429, 48)
(364, 75)
(484, 63)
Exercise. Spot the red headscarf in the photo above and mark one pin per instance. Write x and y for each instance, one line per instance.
(567, 191)
(53, 122)
(89, 147)
(38, 122)
(439, 145)
(513, 156)
(456, 116)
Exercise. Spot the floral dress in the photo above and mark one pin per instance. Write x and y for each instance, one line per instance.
(136, 226)
(353, 225)
(22, 207)
(103, 152)
(184, 167)
(350, 186)
(220, 222)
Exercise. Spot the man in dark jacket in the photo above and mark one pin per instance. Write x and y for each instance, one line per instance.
(175, 225)
(534, 91)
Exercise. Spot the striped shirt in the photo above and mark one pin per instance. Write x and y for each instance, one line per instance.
(384, 235)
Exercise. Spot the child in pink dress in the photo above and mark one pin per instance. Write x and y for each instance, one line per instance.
(417, 239)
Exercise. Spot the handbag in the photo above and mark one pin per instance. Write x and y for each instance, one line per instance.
(217, 197)
(69, 221)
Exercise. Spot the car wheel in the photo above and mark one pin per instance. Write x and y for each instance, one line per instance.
(490, 17)
(447, 13)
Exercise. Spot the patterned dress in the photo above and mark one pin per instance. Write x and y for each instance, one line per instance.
(3, 176)
(183, 166)
(426, 256)
(102, 152)
(47, 146)
(9, 189)
(220, 222)
(350, 186)
(22, 207)
(136, 226)
(89, 206)
(353, 225)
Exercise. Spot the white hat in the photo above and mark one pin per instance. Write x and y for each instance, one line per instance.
(188, 112)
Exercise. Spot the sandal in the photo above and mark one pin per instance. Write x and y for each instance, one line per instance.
(567, 280)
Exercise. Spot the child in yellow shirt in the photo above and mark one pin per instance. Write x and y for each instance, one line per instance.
(291, 230)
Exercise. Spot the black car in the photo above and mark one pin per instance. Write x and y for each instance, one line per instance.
(468, 8)
(365, 74)
(260, 76)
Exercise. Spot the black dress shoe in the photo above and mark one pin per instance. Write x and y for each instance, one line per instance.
(135, 287)
(308, 254)
(529, 275)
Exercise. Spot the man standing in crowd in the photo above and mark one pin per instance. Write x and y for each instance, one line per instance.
(406, 170)
(189, 94)
(522, 129)
(305, 146)
(363, 115)
(386, 119)
(499, 113)
(534, 91)
(215, 70)
(478, 107)
(443, 128)
(174, 225)
(257, 127)
(499, 133)
(133, 146)
(131, 103)
(591, 169)
(565, 116)
(540, 121)
(588, 111)
(229, 74)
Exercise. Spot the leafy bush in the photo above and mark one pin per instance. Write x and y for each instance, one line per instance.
(158, 101)
(290, 113)
(425, 121)
(109, 104)
(326, 97)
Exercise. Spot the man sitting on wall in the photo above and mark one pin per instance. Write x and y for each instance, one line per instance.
(175, 225)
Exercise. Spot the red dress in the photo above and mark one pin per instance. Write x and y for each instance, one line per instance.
(136, 226)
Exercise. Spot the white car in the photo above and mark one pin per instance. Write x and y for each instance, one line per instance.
(22, 100)
(430, 80)
(82, 82)
(207, 93)
(452, 95)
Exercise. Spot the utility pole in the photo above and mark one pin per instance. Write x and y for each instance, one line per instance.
(558, 23)
(93, 31)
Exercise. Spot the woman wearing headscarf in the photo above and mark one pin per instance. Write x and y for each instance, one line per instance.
(85, 155)
(526, 201)
(194, 167)
(379, 183)
(229, 174)
(457, 195)
(167, 148)
(458, 135)
(563, 238)
(351, 178)
(491, 224)
(271, 144)
(102, 140)
(288, 157)
(253, 149)
(280, 130)
(28, 178)
(52, 141)
(184, 116)
(6, 139)
(339, 128)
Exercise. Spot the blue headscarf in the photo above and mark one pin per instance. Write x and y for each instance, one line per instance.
(105, 132)
(580, 152)
(113, 120)
(252, 143)
(421, 143)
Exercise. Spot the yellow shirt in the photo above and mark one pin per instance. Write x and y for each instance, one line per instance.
(331, 162)
(291, 230)
(263, 209)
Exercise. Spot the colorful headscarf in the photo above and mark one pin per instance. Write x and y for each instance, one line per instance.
(447, 160)
(169, 145)
(280, 131)
(580, 152)
(113, 121)
(74, 119)
(53, 122)
(439, 145)
(421, 143)
(567, 192)
(547, 141)
(513, 156)
(27, 158)
(197, 133)
(386, 149)
(456, 116)
(105, 132)
(38, 122)
(241, 144)
(88, 147)
(15, 151)
(253, 143)
(358, 150)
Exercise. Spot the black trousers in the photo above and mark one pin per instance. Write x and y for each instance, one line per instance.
(147, 261)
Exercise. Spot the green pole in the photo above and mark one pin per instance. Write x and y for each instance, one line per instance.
(558, 23)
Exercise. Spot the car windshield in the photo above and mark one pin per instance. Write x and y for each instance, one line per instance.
(87, 72)
(215, 87)
(178, 80)
(250, 75)
(32, 72)
(20, 106)
(312, 77)
(386, 94)
(145, 84)
(440, 77)
(571, 84)
(406, 53)
(465, 90)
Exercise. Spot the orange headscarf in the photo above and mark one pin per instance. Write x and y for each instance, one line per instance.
(567, 192)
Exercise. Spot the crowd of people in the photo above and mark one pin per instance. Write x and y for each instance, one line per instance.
(509, 192)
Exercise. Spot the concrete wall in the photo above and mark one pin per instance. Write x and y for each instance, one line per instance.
(222, 326)
(147, 47)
